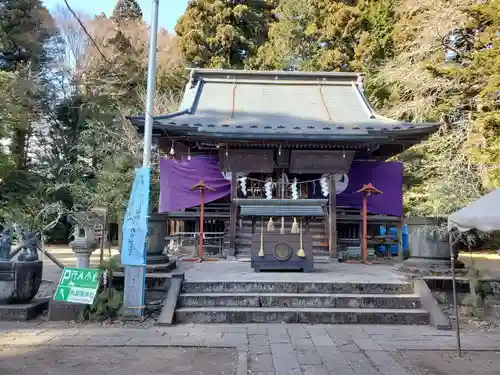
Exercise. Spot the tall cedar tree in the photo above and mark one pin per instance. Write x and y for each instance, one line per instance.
(25, 28)
(327, 35)
(25, 31)
(223, 34)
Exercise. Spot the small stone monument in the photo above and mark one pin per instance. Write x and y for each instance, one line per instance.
(84, 241)
(157, 232)
(429, 248)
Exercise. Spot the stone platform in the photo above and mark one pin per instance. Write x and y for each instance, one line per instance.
(24, 311)
(331, 272)
(231, 292)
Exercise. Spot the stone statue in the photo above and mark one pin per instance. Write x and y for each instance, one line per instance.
(22, 276)
(5, 244)
(29, 243)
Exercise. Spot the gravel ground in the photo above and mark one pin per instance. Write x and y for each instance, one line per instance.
(437, 362)
(472, 324)
(118, 361)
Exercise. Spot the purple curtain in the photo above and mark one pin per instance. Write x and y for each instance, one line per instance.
(177, 177)
(385, 176)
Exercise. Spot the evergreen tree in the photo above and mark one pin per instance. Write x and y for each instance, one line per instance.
(431, 79)
(25, 29)
(481, 77)
(223, 34)
(327, 35)
(127, 10)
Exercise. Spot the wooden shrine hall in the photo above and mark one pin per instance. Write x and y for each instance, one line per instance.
(287, 155)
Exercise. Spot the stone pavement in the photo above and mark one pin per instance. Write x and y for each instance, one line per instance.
(267, 349)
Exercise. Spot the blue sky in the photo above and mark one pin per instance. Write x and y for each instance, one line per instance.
(170, 10)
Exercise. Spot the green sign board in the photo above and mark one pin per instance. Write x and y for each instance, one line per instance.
(78, 285)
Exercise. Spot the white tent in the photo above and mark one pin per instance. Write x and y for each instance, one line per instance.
(483, 215)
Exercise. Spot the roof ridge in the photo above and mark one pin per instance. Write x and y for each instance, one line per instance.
(197, 73)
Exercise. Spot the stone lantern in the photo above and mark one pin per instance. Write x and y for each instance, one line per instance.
(84, 242)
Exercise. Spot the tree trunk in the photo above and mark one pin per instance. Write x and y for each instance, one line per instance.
(18, 147)
(120, 234)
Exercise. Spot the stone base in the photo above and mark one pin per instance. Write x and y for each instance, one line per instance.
(63, 311)
(431, 267)
(152, 266)
(24, 311)
(155, 281)
(153, 259)
(156, 268)
(126, 315)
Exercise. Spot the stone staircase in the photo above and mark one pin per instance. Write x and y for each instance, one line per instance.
(244, 236)
(299, 302)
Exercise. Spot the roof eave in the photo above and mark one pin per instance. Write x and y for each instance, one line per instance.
(370, 136)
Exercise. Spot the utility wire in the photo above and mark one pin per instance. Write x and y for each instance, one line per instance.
(75, 16)
(82, 25)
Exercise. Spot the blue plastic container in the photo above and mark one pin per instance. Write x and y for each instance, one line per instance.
(393, 233)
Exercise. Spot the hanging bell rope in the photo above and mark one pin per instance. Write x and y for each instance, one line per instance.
(283, 183)
(261, 251)
(301, 253)
(270, 225)
(295, 226)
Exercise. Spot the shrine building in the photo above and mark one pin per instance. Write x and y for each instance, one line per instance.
(285, 155)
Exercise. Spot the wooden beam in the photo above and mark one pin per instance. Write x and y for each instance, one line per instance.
(332, 218)
(233, 215)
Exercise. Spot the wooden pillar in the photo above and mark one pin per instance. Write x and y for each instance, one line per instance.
(364, 239)
(233, 216)
(332, 218)
(400, 239)
(202, 221)
(326, 223)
